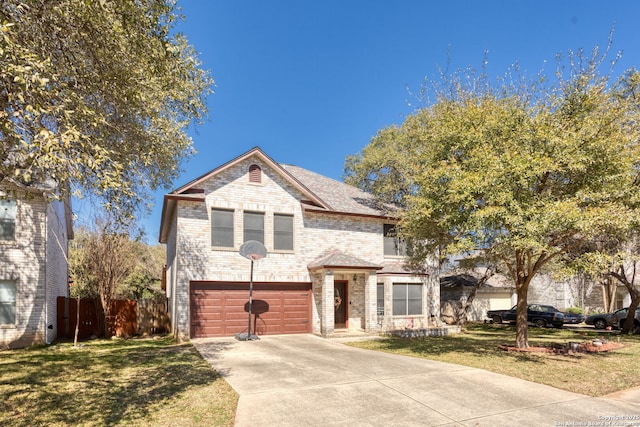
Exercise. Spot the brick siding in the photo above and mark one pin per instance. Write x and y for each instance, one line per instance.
(315, 235)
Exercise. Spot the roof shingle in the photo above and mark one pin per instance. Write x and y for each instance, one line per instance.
(339, 196)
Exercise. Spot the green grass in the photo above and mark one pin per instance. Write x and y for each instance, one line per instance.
(137, 382)
(593, 374)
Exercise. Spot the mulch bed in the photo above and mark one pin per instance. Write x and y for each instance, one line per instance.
(583, 347)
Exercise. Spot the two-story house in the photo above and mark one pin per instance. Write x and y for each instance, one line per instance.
(333, 263)
(35, 228)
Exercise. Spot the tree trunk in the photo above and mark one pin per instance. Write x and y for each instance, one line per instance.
(464, 307)
(609, 286)
(631, 315)
(628, 280)
(522, 325)
(75, 337)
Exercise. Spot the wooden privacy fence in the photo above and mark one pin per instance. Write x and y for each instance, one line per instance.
(128, 318)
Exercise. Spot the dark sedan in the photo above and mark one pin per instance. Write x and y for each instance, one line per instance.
(573, 318)
(614, 320)
(539, 315)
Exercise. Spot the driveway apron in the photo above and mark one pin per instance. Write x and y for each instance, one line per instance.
(305, 380)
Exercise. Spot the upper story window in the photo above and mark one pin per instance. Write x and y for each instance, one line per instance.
(282, 232)
(7, 302)
(255, 174)
(254, 226)
(7, 219)
(222, 228)
(393, 245)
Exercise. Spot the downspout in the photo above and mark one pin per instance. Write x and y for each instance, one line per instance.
(46, 252)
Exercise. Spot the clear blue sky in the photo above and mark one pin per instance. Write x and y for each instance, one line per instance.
(312, 81)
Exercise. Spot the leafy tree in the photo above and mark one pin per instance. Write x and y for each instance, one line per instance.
(522, 171)
(145, 279)
(106, 263)
(98, 94)
(100, 260)
(616, 261)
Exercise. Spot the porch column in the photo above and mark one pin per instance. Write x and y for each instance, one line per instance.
(370, 301)
(327, 321)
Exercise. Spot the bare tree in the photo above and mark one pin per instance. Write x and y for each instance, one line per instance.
(102, 260)
(609, 286)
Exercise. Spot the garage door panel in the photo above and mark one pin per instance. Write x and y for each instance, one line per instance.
(209, 307)
(236, 317)
(296, 312)
(218, 309)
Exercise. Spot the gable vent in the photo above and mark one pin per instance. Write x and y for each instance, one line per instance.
(255, 174)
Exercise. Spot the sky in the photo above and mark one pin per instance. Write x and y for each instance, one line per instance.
(311, 82)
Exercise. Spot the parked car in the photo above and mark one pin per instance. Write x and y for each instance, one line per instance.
(573, 318)
(615, 319)
(539, 315)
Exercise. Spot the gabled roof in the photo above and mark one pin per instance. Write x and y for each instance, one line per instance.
(257, 152)
(322, 194)
(338, 259)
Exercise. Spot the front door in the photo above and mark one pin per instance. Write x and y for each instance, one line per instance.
(340, 304)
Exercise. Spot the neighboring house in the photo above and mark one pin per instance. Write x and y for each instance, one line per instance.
(456, 283)
(34, 230)
(333, 263)
(595, 296)
(547, 290)
(497, 294)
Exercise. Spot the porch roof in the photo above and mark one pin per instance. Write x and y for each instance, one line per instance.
(399, 268)
(337, 259)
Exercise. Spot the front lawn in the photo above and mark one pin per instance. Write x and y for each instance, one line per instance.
(593, 374)
(136, 382)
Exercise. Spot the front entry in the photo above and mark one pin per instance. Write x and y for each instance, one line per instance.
(340, 304)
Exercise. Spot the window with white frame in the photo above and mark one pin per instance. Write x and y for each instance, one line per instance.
(222, 228)
(407, 299)
(7, 302)
(8, 209)
(282, 232)
(254, 226)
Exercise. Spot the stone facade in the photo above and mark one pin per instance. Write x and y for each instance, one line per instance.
(186, 229)
(35, 261)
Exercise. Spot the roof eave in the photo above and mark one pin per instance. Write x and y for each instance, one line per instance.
(343, 267)
(168, 207)
(355, 214)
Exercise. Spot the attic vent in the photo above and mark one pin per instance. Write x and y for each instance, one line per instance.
(255, 174)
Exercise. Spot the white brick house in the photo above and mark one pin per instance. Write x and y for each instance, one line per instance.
(332, 265)
(34, 232)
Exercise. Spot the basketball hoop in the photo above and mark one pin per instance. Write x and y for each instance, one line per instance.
(253, 251)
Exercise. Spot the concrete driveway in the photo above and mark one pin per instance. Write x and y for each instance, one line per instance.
(298, 380)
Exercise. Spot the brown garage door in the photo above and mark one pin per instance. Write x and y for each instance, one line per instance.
(220, 309)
